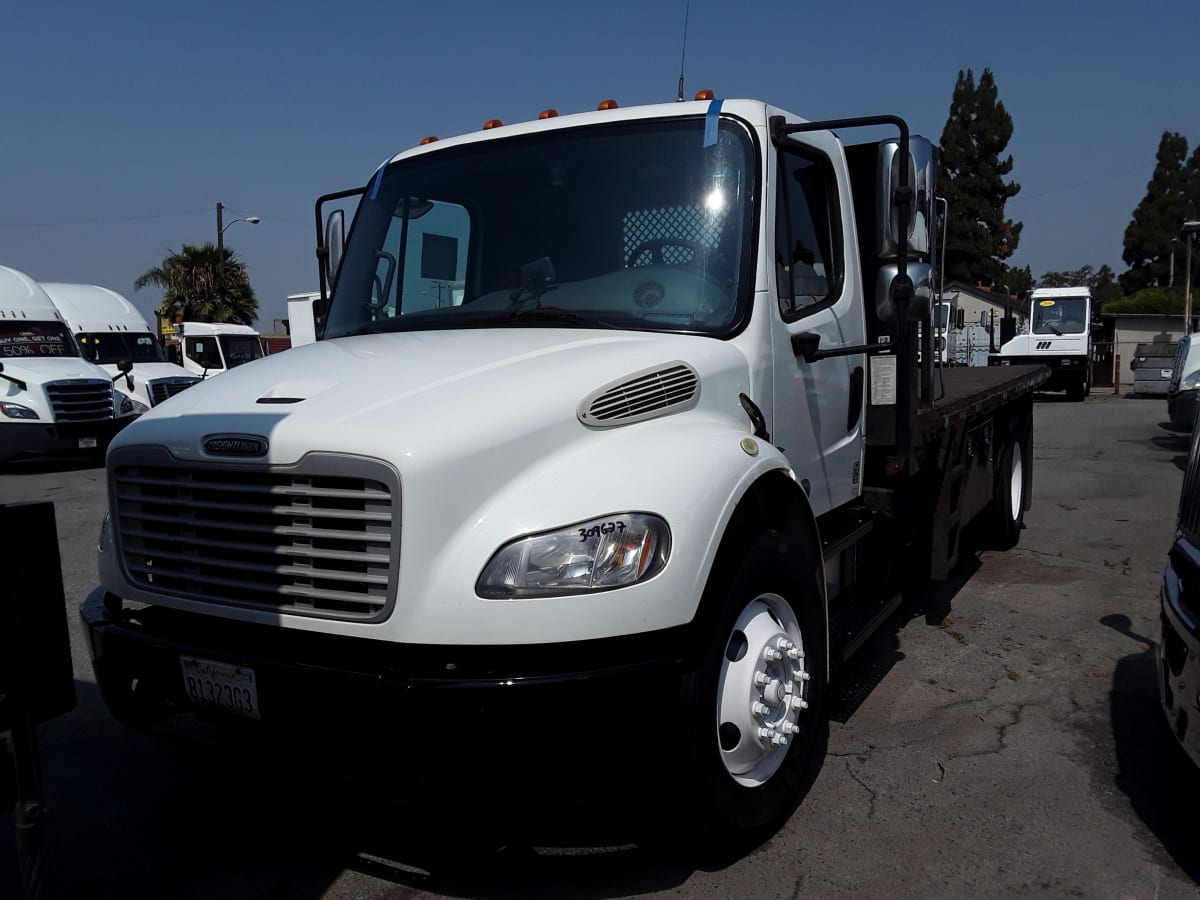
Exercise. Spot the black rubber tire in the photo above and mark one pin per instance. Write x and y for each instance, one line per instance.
(1078, 392)
(726, 814)
(1004, 529)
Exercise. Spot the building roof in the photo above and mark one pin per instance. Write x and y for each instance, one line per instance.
(987, 295)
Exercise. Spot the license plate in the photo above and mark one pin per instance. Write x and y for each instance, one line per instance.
(1164, 373)
(87, 443)
(220, 686)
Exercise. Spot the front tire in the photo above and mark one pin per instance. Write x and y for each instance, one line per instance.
(755, 703)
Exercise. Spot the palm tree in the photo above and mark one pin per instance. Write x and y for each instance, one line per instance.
(191, 290)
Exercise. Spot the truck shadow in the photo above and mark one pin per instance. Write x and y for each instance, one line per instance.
(133, 816)
(1160, 782)
(49, 464)
(855, 680)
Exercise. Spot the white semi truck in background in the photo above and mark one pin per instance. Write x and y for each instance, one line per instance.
(52, 400)
(608, 521)
(210, 348)
(110, 330)
(1059, 336)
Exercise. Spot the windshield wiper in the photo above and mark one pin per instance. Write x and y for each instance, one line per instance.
(557, 314)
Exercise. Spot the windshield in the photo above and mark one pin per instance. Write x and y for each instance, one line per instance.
(643, 225)
(112, 347)
(1063, 315)
(240, 348)
(35, 339)
(941, 315)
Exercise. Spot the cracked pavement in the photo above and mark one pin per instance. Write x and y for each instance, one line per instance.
(999, 736)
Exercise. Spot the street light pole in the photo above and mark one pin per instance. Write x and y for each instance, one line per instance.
(221, 227)
(220, 256)
(1190, 227)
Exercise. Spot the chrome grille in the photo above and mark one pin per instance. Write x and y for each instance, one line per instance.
(317, 543)
(643, 395)
(162, 388)
(81, 399)
(1189, 498)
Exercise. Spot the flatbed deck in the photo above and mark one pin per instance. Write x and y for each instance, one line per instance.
(964, 391)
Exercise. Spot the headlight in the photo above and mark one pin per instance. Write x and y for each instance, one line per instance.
(126, 405)
(1190, 382)
(17, 411)
(596, 555)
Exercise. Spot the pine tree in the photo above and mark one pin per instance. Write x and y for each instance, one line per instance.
(971, 178)
(1155, 230)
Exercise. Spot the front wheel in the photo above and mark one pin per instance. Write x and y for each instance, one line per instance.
(756, 702)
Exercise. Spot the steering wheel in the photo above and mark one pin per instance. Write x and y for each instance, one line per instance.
(656, 245)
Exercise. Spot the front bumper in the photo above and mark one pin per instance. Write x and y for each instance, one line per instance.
(412, 721)
(1181, 407)
(1178, 652)
(1066, 372)
(35, 438)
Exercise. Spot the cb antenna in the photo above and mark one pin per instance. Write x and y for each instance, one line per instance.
(683, 53)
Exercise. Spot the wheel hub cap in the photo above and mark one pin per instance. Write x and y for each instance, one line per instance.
(763, 690)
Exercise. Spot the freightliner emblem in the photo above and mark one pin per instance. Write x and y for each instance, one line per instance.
(235, 445)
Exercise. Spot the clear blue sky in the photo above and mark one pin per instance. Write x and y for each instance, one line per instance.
(125, 122)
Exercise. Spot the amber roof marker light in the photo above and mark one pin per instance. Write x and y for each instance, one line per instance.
(428, 140)
(705, 94)
(607, 104)
(492, 123)
(548, 114)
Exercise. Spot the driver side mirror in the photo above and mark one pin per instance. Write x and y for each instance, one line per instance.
(960, 318)
(335, 244)
(124, 367)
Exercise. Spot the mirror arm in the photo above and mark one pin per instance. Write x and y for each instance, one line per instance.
(805, 346)
(17, 381)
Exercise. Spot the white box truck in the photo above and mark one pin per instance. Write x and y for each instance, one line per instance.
(608, 523)
(109, 330)
(302, 328)
(210, 348)
(1059, 336)
(52, 400)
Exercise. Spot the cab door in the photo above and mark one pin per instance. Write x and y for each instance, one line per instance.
(818, 406)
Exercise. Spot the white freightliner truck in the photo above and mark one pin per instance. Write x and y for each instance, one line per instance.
(210, 348)
(109, 330)
(52, 400)
(1059, 336)
(611, 519)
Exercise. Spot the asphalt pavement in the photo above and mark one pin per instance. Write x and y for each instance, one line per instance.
(1000, 735)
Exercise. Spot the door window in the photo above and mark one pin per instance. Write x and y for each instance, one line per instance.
(204, 352)
(808, 273)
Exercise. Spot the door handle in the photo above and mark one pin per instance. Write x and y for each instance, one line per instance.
(854, 410)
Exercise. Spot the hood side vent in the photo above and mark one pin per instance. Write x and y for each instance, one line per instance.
(648, 394)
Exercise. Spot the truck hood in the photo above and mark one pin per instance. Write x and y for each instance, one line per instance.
(43, 369)
(432, 398)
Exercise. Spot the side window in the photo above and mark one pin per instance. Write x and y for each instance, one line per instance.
(807, 234)
(204, 352)
(424, 261)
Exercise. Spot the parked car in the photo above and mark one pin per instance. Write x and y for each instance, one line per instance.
(1152, 365)
(1179, 650)
(1184, 386)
